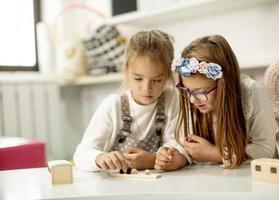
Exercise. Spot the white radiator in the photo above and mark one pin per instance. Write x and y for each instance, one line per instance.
(31, 110)
(46, 111)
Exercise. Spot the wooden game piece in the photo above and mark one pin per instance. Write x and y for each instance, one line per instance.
(128, 171)
(134, 171)
(61, 171)
(147, 172)
(266, 170)
(138, 175)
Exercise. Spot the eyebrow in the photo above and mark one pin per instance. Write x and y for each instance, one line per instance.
(160, 75)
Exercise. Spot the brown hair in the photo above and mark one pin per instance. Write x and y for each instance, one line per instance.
(154, 44)
(231, 129)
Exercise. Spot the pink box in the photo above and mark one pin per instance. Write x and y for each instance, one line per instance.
(31, 154)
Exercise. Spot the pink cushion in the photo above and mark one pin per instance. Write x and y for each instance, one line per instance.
(27, 155)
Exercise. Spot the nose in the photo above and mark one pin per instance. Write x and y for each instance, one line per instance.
(147, 86)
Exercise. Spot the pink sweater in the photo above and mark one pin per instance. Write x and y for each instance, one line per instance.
(271, 79)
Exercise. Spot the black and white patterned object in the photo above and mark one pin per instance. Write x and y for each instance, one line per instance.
(104, 50)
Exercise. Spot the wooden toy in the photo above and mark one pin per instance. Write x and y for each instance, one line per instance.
(134, 173)
(61, 171)
(266, 170)
(147, 172)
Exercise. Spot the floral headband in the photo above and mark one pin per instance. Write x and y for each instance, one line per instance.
(188, 66)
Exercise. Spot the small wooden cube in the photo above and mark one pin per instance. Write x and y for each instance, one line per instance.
(266, 170)
(61, 171)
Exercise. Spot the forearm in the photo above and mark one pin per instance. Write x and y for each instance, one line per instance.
(150, 161)
(143, 161)
(215, 155)
(182, 161)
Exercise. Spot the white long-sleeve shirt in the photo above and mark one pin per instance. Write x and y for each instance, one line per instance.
(106, 122)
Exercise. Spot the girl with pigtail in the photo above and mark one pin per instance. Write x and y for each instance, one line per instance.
(130, 126)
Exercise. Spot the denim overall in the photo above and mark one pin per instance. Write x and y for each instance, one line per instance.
(152, 141)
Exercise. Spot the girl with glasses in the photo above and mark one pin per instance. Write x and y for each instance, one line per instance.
(224, 117)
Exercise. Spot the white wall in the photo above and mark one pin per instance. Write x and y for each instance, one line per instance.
(252, 32)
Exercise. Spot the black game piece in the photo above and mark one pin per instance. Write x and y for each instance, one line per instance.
(128, 171)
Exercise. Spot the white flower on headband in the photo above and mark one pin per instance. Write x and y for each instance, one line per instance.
(176, 62)
(188, 66)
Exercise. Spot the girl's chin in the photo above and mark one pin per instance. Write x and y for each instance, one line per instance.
(204, 110)
(145, 101)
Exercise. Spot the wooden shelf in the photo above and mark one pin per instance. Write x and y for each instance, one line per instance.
(36, 77)
(90, 80)
(182, 11)
(27, 77)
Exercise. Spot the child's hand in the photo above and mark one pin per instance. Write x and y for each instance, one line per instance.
(111, 160)
(169, 159)
(201, 150)
(139, 159)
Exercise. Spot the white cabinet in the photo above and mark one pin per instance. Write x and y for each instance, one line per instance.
(180, 11)
(249, 26)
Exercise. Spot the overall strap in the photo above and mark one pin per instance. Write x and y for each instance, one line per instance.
(126, 117)
(160, 115)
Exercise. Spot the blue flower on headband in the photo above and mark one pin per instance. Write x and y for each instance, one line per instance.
(213, 71)
(185, 71)
(188, 66)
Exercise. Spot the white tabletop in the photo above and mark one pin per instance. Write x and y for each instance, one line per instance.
(195, 182)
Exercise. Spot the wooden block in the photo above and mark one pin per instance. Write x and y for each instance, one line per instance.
(266, 170)
(138, 175)
(61, 171)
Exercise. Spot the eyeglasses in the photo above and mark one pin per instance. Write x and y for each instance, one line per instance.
(201, 96)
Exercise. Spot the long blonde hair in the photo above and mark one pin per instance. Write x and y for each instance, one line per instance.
(231, 129)
(154, 44)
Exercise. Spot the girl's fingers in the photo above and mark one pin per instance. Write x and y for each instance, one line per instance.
(109, 163)
(173, 151)
(158, 167)
(196, 138)
(128, 156)
(162, 157)
(121, 164)
(115, 161)
(129, 164)
(133, 150)
(189, 145)
(104, 166)
(161, 166)
(164, 153)
(161, 163)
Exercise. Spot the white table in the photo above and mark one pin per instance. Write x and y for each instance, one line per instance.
(195, 182)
